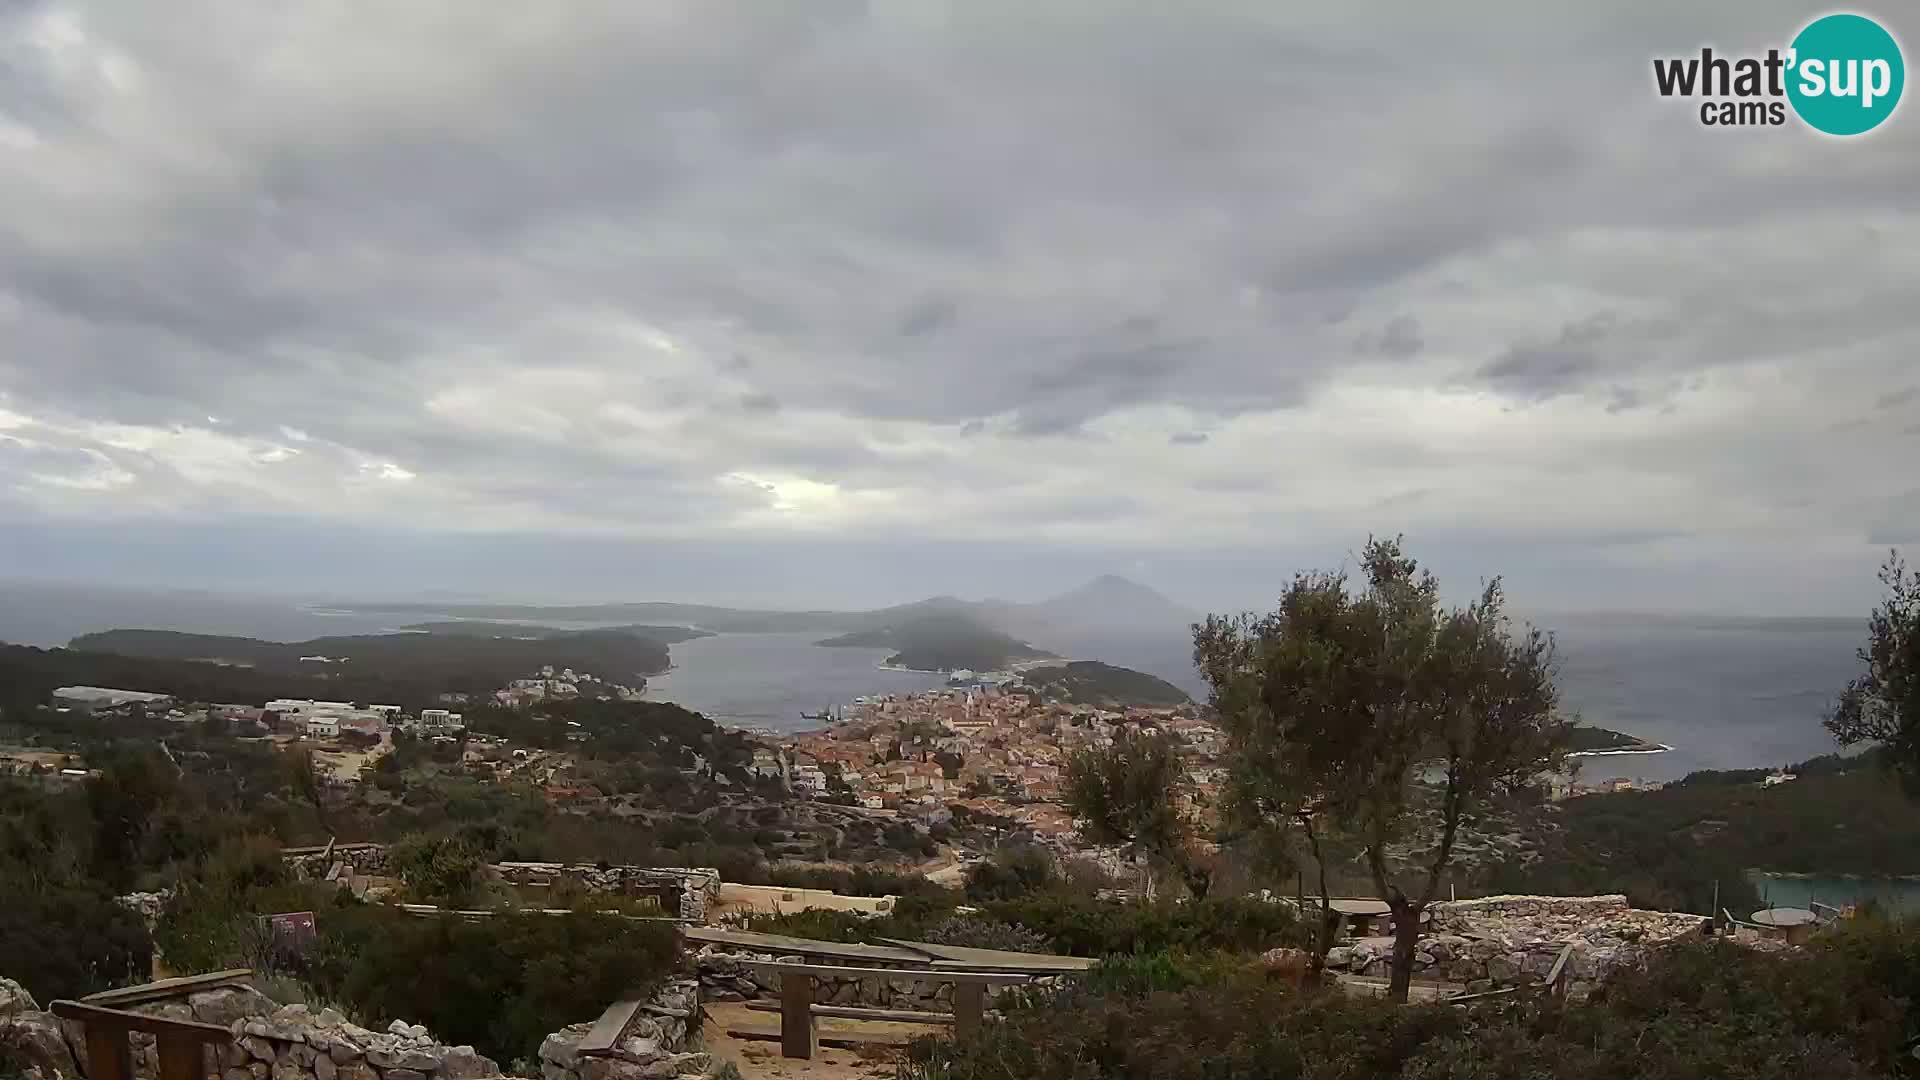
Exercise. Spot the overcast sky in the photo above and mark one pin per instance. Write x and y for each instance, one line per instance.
(840, 304)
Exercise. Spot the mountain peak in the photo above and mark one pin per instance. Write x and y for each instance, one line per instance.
(1112, 599)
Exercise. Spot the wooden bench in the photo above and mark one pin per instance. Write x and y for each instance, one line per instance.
(798, 1010)
(181, 1044)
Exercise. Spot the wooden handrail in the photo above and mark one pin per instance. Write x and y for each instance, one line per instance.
(167, 988)
(181, 1044)
(797, 1010)
(928, 974)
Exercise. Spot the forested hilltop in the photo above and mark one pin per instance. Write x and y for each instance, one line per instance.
(1090, 682)
(454, 662)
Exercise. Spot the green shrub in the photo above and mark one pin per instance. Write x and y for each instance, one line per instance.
(1847, 1006)
(1082, 926)
(501, 984)
(974, 932)
(1013, 872)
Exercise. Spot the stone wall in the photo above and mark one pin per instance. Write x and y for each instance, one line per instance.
(1502, 941)
(271, 1042)
(294, 1043)
(662, 1040)
(696, 888)
(313, 862)
(725, 976)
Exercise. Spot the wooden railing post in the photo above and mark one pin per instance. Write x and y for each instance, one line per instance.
(181, 1044)
(969, 1007)
(796, 1015)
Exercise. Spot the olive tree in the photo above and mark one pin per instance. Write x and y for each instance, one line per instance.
(1377, 711)
(1882, 706)
(1131, 793)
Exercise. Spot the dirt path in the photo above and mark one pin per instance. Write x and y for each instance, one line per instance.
(757, 1059)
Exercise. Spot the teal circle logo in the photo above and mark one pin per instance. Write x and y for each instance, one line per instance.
(1846, 74)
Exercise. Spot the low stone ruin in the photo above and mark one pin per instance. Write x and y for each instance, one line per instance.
(725, 975)
(659, 1042)
(271, 1042)
(691, 890)
(1502, 941)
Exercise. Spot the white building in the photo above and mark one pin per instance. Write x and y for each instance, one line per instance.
(435, 722)
(323, 727)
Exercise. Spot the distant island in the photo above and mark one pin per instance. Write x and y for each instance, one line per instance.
(447, 661)
(488, 628)
(1597, 740)
(942, 642)
(1090, 682)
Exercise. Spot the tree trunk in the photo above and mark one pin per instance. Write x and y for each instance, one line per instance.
(1406, 942)
(1329, 922)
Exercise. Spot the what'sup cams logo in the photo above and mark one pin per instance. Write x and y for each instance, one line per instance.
(1842, 75)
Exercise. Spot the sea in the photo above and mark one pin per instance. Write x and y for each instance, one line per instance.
(1721, 693)
(1718, 693)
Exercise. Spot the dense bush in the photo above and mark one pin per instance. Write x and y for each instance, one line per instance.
(1012, 872)
(858, 881)
(973, 932)
(1083, 926)
(501, 984)
(1848, 1006)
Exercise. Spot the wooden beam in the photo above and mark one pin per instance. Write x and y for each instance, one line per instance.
(958, 978)
(852, 1012)
(119, 1020)
(782, 943)
(605, 1033)
(167, 988)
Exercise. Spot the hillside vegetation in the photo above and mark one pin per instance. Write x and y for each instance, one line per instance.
(1090, 682)
(453, 662)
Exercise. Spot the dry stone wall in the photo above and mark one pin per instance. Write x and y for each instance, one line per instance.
(271, 1042)
(1502, 941)
(725, 975)
(695, 889)
(660, 1041)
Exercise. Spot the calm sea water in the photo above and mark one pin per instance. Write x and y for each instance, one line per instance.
(768, 680)
(1722, 693)
(1892, 894)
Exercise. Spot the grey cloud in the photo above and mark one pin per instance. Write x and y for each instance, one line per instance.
(583, 264)
(926, 317)
(1893, 399)
(1537, 371)
(1399, 339)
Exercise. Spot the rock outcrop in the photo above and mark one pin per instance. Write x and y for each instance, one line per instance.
(31, 1040)
(658, 1043)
